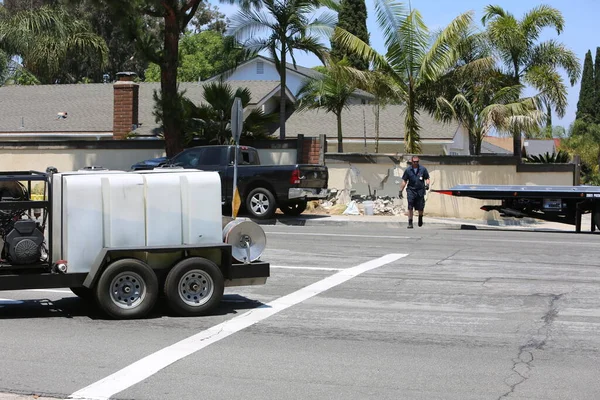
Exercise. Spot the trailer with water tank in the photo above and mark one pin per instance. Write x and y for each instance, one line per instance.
(126, 240)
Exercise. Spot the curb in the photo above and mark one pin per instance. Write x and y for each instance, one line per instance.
(402, 222)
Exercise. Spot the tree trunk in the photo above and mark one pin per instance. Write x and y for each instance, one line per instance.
(339, 132)
(282, 75)
(473, 144)
(168, 86)
(517, 144)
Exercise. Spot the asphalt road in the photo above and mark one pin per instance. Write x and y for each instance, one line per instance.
(466, 314)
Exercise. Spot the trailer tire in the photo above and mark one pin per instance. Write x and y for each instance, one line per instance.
(194, 287)
(127, 289)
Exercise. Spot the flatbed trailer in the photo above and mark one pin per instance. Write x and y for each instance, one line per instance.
(564, 204)
(109, 237)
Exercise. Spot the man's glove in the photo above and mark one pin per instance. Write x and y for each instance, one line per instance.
(426, 187)
(400, 195)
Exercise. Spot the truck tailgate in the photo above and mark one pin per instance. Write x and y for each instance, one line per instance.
(313, 176)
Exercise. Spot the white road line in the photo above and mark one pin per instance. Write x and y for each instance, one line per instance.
(150, 365)
(309, 268)
(337, 235)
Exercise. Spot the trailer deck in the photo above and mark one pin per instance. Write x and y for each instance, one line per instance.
(565, 204)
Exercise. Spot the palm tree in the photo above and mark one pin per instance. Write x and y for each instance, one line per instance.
(532, 62)
(46, 38)
(380, 86)
(211, 119)
(331, 91)
(480, 96)
(411, 61)
(280, 27)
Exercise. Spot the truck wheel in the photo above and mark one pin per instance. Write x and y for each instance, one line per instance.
(293, 209)
(127, 289)
(260, 203)
(83, 293)
(194, 287)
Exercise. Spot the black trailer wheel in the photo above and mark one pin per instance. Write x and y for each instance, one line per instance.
(127, 289)
(83, 293)
(194, 287)
(260, 203)
(294, 209)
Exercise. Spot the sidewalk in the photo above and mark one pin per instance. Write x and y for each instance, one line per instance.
(401, 221)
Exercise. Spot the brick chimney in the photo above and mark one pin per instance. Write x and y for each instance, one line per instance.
(125, 111)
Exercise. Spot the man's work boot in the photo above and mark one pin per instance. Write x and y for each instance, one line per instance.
(420, 220)
(410, 225)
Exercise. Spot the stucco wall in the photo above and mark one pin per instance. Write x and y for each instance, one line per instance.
(119, 159)
(73, 159)
(383, 179)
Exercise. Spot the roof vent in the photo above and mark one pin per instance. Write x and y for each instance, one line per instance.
(260, 67)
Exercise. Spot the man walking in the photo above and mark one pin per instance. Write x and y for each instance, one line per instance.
(416, 181)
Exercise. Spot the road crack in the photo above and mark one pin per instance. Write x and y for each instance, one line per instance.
(522, 364)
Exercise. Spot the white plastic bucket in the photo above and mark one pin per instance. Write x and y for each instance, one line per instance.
(368, 207)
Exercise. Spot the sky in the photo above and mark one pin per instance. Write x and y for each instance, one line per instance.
(579, 34)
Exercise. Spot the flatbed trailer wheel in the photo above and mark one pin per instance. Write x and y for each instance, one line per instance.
(127, 289)
(194, 287)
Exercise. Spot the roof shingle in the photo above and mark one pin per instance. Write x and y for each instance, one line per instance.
(89, 107)
(391, 123)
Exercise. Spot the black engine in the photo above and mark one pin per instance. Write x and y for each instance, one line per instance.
(22, 235)
(23, 245)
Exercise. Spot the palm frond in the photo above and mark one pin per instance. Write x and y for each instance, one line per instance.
(557, 55)
(542, 16)
(550, 84)
(443, 54)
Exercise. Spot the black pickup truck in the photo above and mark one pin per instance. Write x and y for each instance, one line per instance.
(263, 188)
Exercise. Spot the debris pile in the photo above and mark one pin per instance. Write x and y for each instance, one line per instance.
(338, 201)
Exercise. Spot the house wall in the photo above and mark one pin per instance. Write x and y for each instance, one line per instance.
(460, 146)
(249, 72)
(382, 175)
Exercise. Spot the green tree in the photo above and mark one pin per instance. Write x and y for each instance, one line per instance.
(412, 60)
(156, 28)
(202, 55)
(209, 18)
(46, 38)
(584, 140)
(352, 17)
(587, 93)
(529, 61)
(211, 119)
(331, 91)
(281, 27)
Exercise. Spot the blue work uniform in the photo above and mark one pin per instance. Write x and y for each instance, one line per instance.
(415, 186)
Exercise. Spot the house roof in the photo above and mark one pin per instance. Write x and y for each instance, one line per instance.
(304, 71)
(391, 124)
(89, 107)
(505, 143)
(490, 148)
(534, 147)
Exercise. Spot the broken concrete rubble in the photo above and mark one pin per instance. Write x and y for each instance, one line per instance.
(338, 200)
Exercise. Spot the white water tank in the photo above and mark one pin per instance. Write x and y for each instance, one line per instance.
(123, 211)
(96, 209)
